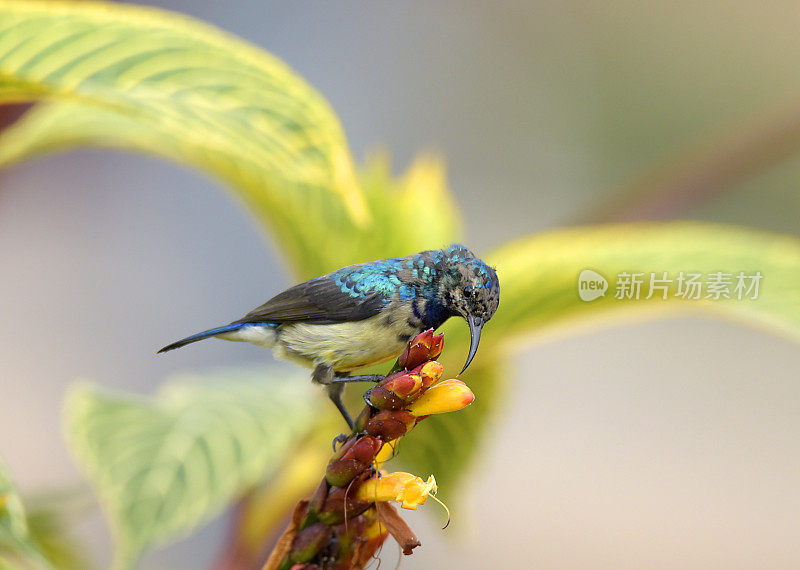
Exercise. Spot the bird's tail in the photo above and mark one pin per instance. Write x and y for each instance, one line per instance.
(202, 335)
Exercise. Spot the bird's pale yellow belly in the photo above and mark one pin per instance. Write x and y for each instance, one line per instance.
(343, 346)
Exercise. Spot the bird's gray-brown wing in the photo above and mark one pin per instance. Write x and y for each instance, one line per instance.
(319, 301)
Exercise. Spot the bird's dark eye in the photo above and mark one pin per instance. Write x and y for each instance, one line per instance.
(468, 291)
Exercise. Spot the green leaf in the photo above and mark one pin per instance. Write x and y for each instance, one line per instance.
(539, 275)
(164, 466)
(207, 99)
(158, 82)
(408, 214)
(16, 542)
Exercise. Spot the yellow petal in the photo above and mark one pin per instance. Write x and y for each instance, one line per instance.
(407, 489)
(386, 453)
(446, 396)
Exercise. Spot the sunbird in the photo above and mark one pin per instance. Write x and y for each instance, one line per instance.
(365, 313)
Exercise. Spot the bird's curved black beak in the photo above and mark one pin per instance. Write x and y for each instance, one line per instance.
(475, 326)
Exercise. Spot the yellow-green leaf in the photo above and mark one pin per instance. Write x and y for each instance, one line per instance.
(408, 214)
(164, 466)
(539, 275)
(159, 82)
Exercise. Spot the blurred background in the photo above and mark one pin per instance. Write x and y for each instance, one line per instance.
(661, 444)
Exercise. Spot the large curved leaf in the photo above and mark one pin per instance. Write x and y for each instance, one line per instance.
(162, 83)
(539, 275)
(412, 213)
(207, 99)
(539, 291)
(164, 466)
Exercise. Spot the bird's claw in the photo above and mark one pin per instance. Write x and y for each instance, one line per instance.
(341, 439)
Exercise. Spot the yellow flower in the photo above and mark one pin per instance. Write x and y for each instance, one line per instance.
(386, 453)
(407, 489)
(446, 396)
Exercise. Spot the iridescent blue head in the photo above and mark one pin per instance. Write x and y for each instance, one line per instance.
(472, 291)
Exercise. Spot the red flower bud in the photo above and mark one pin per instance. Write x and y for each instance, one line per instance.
(382, 399)
(437, 345)
(342, 500)
(317, 500)
(405, 385)
(389, 425)
(351, 460)
(430, 371)
(309, 542)
(416, 351)
(362, 420)
(394, 391)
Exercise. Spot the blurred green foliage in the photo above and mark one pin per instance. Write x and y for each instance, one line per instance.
(17, 543)
(164, 466)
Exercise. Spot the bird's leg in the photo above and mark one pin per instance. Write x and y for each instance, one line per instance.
(344, 379)
(324, 375)
(335, 394)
